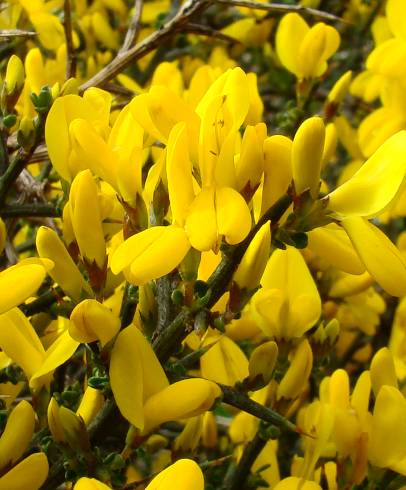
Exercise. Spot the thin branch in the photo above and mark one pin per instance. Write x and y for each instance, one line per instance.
(6, 34)
(279, 8)
(209, 32)
(236, 478)
(134, 27)
(34, 210)
(241, 401)
(123, 59)
(71, 55)
(12, 172)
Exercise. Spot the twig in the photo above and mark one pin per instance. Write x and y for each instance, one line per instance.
(279, 8)
(7, 33)
(12, 172)
(123, 59)
(209, 32)
(128, 304)
(134, 27)
(37, 210)
(67, 26)
(240, 400)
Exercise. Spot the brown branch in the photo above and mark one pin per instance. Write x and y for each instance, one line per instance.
(279, 8)
(134, 27)
(123, 59)
(209, 32)
(8, 33)
(70, 55)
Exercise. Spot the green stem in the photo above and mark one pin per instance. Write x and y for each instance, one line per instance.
(33, 210)
(238, 474)
(241, 401)
(12, 172)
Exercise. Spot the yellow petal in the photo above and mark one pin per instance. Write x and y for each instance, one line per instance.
(132, 358)
(62, 112)
(185, 474)
(295, 379)
(295, 483)
(332, 244)
(179, 173)
(307, 153)
(201, 222)
(65, 273)
(291, 31)
(382, 370)
(376, 183)
(233, 215)
(151, 253)
(224, 362)
(388, 424)
(252, 266)
(90, 484)
(20, 342)
(277, 169)
(93, 150)
(30, 473)
(17, 434)
(86, 218)
(395, 12)
(90, 404)
(183, 399)
(60, 351)
(380, 256)
(91, 321)
(18, 283)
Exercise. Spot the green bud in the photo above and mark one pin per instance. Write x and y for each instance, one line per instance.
(9, 120)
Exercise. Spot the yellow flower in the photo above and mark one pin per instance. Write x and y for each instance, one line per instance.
(91, 321)
(150, 254)
(132, 358)
(288, 303)
(302, 50)
(32, 471)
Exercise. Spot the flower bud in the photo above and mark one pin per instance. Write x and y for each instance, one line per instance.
(86, 219)
(209, 430)
(26, 133)
(14, 80)
(307, 153)
(253, 263)
(74, 430)
(54, 421)
(13, 84)
(65, 273)
(262, 363)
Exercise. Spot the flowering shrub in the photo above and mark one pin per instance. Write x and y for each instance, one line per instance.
(202, 244)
